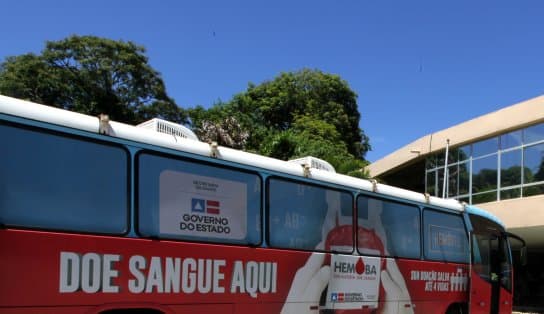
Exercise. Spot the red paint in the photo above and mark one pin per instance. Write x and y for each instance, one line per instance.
(30, 272)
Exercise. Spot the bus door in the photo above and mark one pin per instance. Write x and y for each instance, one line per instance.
(491, 271)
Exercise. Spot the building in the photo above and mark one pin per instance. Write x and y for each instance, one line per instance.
(495, 161)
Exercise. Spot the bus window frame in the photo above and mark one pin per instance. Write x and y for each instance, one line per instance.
(465, 231)
(194, 159)
(502, 238)
(81, 136)
(390, 200)
(309, 183)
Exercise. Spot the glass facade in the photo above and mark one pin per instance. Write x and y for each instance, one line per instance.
(510, 165)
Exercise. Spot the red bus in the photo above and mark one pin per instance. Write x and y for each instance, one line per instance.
(101, 217)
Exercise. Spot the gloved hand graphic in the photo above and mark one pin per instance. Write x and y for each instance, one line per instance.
(308, 284)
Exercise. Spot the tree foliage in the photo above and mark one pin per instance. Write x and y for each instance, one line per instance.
(276, 105)
(296, 114)
(303, 113)
(91, 75)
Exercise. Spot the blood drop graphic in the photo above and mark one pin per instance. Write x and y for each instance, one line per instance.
(360, 266)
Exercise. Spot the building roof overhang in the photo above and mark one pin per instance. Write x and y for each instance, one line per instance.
(501, 121)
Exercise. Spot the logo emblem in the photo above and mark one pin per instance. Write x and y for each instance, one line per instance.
(205, 206)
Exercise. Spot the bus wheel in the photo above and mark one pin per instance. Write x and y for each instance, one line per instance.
(457, 309)
(132, 311)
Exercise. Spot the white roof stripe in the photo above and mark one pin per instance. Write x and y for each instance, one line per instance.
(79, 121)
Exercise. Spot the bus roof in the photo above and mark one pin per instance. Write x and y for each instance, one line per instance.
(33, 111)
(471, 209)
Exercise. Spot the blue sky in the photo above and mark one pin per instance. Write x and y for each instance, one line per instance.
(417, 66)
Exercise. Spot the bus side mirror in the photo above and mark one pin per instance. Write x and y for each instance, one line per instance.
(523, 249)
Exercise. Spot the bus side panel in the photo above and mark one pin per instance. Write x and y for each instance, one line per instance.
(480, 298)
(47, 310)
(506, 298)
(433, 286)
(204, 308)
(45, 269)
(193, 308)
(55, 269)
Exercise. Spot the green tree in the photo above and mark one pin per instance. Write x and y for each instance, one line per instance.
(219, 124)
(484, 180)
(276, 104)
(539, 175)
(91, 75)
(303, 113)
(312, 137)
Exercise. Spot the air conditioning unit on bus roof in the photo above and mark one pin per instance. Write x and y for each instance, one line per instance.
(315, 163)
(167, 127)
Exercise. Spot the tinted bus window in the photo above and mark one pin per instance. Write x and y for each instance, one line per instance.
(179, 199)
(388, 228)
(62, 183)
(491, 252)
(445, 237)
(309, 217)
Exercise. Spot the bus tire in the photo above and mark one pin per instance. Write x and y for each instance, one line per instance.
(132, 311)
(457, 308)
